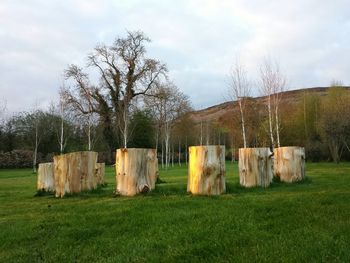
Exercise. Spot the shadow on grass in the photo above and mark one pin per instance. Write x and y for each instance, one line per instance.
(236, 188)
(180, 189)
(101, 190)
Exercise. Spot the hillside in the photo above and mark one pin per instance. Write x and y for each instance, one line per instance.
(217, 112)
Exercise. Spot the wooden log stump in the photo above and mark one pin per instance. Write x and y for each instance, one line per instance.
(255, 167)
(136, 170)
(46, 180)
(74, 172)
(289, 164)
(206, 173)
(100, 173)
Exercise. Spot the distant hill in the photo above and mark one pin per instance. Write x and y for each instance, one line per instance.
(217, 112)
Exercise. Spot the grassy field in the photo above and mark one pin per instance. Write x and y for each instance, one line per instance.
(304, 222)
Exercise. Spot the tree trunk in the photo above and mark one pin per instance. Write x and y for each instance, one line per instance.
(255, 167)
(270, 121)
(242, 123)
(46, 180)
(206, 173)
(100, 173)
(186, 149)
(179, 156)
(136, 171)
(289, 163)
(277, 126)
(74, 172)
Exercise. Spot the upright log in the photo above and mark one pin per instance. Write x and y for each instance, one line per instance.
(206, 173)
(46, 180)
(74, 172)
(100, 173)
(255, 167)
(136, 170)
(289, 163)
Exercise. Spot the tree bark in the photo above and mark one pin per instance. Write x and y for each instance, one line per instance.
(46, 181)
(289, 163)
(255, 167)
(74, 172)
(136, 171)
(206, 173)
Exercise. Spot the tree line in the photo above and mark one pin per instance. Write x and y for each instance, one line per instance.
(123, 98)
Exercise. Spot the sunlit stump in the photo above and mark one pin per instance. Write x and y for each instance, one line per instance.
(100, 173)
(46, 180)
(206, 173)
(136, 170)
(289, 163)
(255, 167)
(75, 172)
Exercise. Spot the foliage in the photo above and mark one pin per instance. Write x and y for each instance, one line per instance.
(142, 135)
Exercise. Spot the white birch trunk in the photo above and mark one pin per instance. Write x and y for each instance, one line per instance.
(270, 121)
(277, 126)
(243, 124)
(35, 148)
(186, 151)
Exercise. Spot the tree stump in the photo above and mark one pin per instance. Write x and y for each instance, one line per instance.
(206, 173)
(289, 163)
(74, 172)
(255, 167)
(100, 173)
(136, 170)
(46, 180)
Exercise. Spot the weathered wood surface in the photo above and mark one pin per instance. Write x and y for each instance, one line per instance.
(136, 170)
(100, 173)
(74, 172)
(255, 167)
(289, 163)
(46, 180)
(206, 173)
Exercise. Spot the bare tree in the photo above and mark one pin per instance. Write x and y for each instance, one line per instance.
(125, 73)
(239, 90)
(168, 103)
(82, 98)
(273, 83)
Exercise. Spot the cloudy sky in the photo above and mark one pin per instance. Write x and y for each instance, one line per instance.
(197, 39)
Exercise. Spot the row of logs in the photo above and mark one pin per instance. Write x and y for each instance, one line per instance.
(257, 166)
(137, 170)
(71, 173)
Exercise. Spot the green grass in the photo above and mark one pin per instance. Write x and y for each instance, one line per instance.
(303, 222)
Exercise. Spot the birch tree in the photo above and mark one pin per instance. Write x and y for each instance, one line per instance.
(273, 83)
(168, 103)
(239, 90)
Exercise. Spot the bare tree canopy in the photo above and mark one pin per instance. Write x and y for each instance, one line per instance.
(125, 73)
